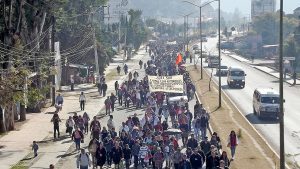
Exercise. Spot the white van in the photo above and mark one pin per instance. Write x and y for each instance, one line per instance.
(236, 77)
(266, 102)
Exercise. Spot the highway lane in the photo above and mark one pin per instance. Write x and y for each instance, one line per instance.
(243, 100)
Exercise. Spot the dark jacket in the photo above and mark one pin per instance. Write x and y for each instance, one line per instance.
(101, 156)
(196, 161)
(127, 153)
(192, 143)
(116, 154)
(186, 164)
(212, 163)
(104, 86)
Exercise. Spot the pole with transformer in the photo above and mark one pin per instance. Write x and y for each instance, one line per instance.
(281, 115)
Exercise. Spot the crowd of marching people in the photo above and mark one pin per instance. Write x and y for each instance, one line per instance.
(169, 135)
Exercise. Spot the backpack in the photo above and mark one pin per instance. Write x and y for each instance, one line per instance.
(198, 123)
(87, 156)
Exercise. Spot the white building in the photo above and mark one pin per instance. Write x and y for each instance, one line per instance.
(260, 7)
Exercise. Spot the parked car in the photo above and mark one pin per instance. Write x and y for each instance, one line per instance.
(223, 71)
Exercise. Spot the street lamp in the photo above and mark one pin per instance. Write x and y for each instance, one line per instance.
(186, 28)
(200, 30)
(219, 42)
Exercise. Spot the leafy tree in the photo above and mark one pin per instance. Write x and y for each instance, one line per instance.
(267, 26)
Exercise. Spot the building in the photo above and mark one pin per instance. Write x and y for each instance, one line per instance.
(260, 7)
(297, 11)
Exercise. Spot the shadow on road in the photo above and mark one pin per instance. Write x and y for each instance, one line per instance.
(253, 119)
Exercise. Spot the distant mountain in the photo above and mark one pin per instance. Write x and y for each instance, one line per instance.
(166, 8)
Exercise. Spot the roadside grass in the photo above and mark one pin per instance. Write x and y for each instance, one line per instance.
(252, 151)
(19, 165)
(111, 76)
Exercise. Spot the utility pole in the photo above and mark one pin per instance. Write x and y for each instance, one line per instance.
(95, 49)
(200, 32)
(52, 51)
(96, 53)
(281, 116)
(219, 25)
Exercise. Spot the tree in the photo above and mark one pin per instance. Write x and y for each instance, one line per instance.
(267, 26)
(137, 33)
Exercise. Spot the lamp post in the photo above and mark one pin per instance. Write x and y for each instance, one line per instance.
(186, 28)
(200, 31)
(219, 27)
(219, 42)
(281, 116)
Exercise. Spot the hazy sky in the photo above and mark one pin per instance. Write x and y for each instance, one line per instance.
(245, 5)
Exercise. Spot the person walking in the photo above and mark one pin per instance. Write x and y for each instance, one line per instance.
(56, 120)
(120, 97)
(113, 100)
(119, 70)
(192, 142)
(204, 125)
(82, 101)
(127, 156)
(78, 137)
(212, 161)
(95, 128)
(100, 156)
(135, 152)
(35, 148)
(225, 159)
(92, 147)
(125, 68)
(117, 154)
(232, 143)
(83, 160)
(104, 88)
(107, 103)
(186, 164)
(86, 120)
(141, 64)
(117, 86)
(69, 125)
(158, 158)
(177, 158)
(196, 160)
(110, 123)
(59, 100)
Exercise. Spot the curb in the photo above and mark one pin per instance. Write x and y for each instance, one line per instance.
(243, 116)
(210, 129)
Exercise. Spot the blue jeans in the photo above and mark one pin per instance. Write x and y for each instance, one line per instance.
(232, 149)
(84, 167)
(203, 132)
(77, 143)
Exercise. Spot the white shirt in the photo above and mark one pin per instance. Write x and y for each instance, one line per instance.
(82, 97)
(83, 160)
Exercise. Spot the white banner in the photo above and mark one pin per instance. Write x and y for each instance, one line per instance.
(168, 84)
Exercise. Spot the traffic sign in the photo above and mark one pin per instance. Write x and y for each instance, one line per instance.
(289, 58)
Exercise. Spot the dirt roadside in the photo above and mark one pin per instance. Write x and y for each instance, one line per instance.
(253, 151)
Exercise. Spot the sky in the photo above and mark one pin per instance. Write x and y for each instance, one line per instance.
(245, 5)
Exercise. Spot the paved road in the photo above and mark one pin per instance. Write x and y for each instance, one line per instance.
(243, 100)
(120, 115)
